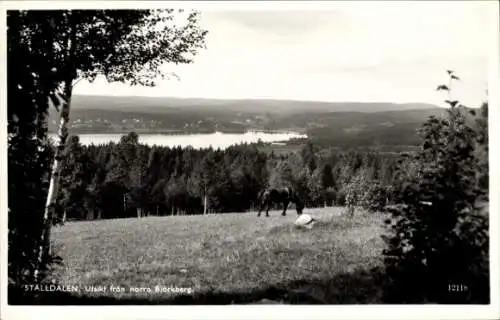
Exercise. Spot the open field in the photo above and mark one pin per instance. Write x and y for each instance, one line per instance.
(225, 258)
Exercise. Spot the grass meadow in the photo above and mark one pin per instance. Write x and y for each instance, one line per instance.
(224, 258)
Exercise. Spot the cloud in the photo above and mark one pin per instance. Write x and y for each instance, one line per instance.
(292, 25)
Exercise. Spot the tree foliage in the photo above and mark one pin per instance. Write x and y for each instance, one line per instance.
(176, 180)
(438, 233)
(127, 46)
(29, 83)
(48, 52)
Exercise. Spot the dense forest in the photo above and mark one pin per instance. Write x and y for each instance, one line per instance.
(130, 179)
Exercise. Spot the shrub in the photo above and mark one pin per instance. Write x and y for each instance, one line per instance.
(437, 238)
(376, 197)
(369, 194)
(356, 191)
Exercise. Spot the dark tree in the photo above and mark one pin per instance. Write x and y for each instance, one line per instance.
(308, 156)
(58, 48)
(438, 235)
(327, 179)
(29, 83)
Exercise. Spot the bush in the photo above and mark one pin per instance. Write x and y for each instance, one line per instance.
(437, 236)
(369, 194)
(356, 191)
(376, 197)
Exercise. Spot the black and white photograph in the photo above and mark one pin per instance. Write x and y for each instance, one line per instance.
(255, 154)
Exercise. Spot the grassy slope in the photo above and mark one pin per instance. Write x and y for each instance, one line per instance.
(230, 255)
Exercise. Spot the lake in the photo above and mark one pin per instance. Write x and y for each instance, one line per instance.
(215, 140)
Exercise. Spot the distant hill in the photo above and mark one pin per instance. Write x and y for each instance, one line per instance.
(345, 124)
(163, 104)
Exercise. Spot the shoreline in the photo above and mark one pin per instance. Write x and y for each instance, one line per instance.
(179, 133)
(216, 140)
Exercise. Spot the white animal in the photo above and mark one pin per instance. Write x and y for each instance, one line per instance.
(305, 221)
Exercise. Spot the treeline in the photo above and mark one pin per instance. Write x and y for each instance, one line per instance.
(129, 179)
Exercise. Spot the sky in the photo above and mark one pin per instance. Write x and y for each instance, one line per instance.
(347, 51)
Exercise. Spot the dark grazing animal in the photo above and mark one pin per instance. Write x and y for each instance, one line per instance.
(282, 195)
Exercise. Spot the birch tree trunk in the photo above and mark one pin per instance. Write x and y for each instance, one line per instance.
(205, 199)
(62, 134)
(44, 250)
(124, 203)
(205, 202)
